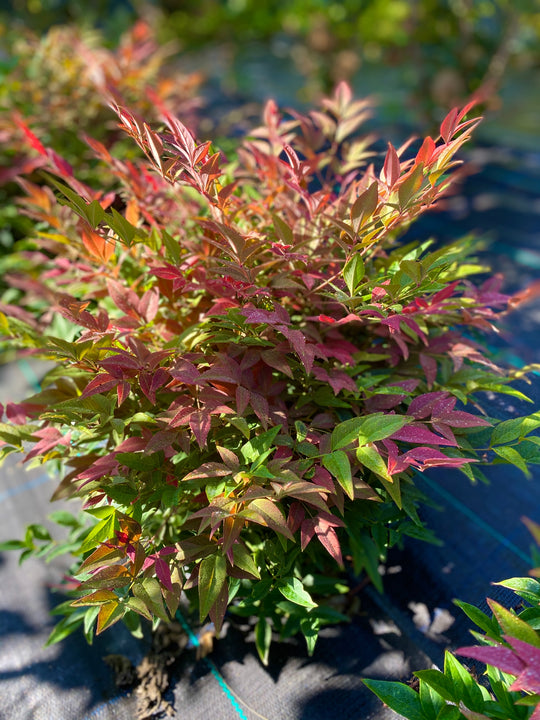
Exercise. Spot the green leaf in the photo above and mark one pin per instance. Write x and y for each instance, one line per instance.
(243, 559)
(346, 432)
(529, 700)
(140, 461)
(64, 628)
(379, 426)
(172, 246)
(261, 590)
(527, 588)
(89, 619)
(133, 623)
(149, 591)
(283, 231)
(441, 683)
(513, 625)
(479, 618)
(212, 576)
(513, 456)
(263, 639)
(101, 532)
(468, 689)
(253, 449)
(292, 589)
(310, 630)
(367, 429)
(139, 606)
(450, 712)
(122, 227)
(353, 272)
(407, 190)
(430, 700)
(93, 213)
(515, 428)
(62, 517)
(370, 458)
(240, 424)
(399, 697)
(301, 431)
(338, 464)
(365, 555)
(364, 206)
(12, 545)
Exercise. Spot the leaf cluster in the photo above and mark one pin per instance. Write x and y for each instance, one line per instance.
(510, 648)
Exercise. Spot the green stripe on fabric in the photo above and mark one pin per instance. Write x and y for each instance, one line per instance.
(213, 669)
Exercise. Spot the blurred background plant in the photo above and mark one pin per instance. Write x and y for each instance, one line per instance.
(435, 52)
(60, 83)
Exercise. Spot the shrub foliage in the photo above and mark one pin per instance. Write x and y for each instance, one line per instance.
(249, 366)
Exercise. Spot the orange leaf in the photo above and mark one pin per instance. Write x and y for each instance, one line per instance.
(97, 245)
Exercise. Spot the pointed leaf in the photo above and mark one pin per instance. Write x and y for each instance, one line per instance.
(109, 614)
(263, 639)
(353, 272)
(364, 206)
(339, 465)
(212, 576)
(292, 589)
(399, 697)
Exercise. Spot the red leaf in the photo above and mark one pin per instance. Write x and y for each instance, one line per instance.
(307, 531)
(17, 413)
(323, 478)
(32, 139)
(107, 465)
(445, 293)
(296, 516)
(416, 433)
(391, 168)
(297, 340)
(163, 573)
(151, 382)
(278, 361)
(49, 438)
(260, 406)
(149, 304)
(187, 373)
(339, 380)
(425, 153)
(449, 125)
(200, 424)
(422, 406)
(445, 431)
(429, 366)
(122, 390)
(100, 384)
(328, 538)
(498, 656)
(458, 418)
(124, 298)
(242, 399)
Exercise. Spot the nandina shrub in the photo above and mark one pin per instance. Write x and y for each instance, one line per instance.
(253, 367)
